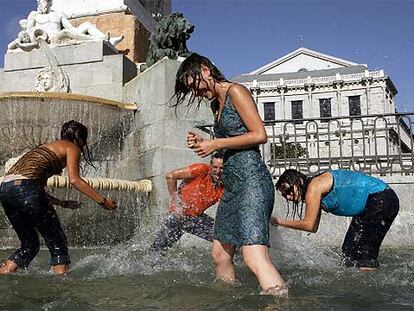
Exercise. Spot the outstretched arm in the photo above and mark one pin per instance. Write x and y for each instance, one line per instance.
(64, 21)
(310, 222)
(63, 203)
(72, 163)
(246, 108)
(31, 20)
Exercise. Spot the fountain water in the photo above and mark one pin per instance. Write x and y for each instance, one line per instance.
(128, 141)
(133, 142)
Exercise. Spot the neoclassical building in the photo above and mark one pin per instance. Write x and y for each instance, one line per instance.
(337, 110)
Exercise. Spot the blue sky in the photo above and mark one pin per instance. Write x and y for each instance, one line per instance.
(242, 35)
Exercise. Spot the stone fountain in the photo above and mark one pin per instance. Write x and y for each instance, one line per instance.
(76, 62)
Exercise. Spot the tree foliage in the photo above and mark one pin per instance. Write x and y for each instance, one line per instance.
(288, 151)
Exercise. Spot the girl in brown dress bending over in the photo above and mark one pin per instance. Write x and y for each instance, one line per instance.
(27, 205)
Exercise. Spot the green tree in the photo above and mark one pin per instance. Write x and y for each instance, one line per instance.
(293, 151)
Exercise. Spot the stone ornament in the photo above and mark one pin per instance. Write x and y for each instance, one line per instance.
(55, 29)
(104, 184)
(144, 185)
(24, 41)
(50, 81)
(169, 38)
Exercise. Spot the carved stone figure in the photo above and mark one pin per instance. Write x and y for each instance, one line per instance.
(23, 41)
(54, 28)
(50, 81)
(169, 38)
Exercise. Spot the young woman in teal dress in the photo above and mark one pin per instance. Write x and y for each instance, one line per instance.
(371, 203)
(243, 214)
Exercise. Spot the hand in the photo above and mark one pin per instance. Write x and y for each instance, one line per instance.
(274, 221)
(176, 207)
(192, 139)
(177, 215)
(109, 205)
(205, 148)
(70, 204)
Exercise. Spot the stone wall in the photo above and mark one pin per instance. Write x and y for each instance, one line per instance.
(93, 68)
(154, 145)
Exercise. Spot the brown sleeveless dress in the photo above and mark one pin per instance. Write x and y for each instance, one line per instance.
(38, 164)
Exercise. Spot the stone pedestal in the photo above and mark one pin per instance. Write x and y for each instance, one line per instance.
(94, 68)
(131, 18)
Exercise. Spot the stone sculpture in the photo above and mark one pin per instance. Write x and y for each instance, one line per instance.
(23, 41)
(169, 38)
(55, 29)
(50, 81)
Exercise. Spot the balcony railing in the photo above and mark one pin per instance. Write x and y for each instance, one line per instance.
(374, 144)
(316, 80)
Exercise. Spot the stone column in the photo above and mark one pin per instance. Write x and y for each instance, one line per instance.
(337, 86)
(367, 81)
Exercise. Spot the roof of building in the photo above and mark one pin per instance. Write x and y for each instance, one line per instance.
(299, 75)
(304, 52)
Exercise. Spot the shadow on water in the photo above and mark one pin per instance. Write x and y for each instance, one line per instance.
(127, 277)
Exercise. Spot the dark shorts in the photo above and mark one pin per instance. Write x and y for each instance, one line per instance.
(29, 211)
(367, 231)
(173, 228)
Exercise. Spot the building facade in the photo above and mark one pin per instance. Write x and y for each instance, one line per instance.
(336, 112)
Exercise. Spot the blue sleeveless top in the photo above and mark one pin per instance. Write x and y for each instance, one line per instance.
(350, 191)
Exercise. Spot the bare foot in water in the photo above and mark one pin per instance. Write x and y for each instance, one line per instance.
(8, 267)
(277, 291)
(224, 280)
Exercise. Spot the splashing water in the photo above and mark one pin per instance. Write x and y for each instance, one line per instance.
(129, 277)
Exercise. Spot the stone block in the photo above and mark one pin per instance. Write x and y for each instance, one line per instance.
(85, 52)
(15, 61)
(94, 52)
(108, 91)
(26, 81)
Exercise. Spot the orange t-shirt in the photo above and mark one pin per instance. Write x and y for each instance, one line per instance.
(198, 193)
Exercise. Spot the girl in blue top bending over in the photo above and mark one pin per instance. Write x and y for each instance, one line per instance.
(372, 204)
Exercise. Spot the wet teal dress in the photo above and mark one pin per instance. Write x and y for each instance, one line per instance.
(244, 210)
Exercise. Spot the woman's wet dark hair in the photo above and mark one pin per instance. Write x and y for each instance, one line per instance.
(191, 67)
(74, 131)
(285, 185)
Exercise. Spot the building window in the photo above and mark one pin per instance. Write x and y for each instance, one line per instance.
(269, 111)
(354, 105)
(297, 111)
(325, 108)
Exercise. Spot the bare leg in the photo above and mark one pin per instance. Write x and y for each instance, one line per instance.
(116, 40)
(223, 258)
(258, 261)
(8, 267)
(91, 29)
